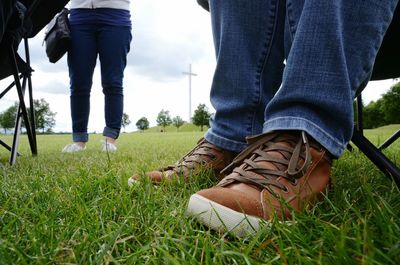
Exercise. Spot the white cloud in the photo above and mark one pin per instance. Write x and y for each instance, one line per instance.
(375, 89)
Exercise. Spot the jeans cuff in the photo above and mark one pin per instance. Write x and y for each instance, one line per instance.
(111, 132)
(224, 143)
(335, 147)
(80, 137)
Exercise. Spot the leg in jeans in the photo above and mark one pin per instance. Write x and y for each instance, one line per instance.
(248, 40)
(330, 47)
(81, 63)
(331, 55)
(113, 45)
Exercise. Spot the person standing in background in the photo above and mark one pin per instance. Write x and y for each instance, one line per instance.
(98, 28)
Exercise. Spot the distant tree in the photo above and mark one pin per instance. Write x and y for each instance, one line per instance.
(7, 117)
(390, 105)
(44, 117)
(142, 124)
(177, 122)
(125, 120)
(201, 116)
(164, 119)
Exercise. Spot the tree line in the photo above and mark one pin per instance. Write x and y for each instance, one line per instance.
(200, 118)
(384, 111)
(45, 118)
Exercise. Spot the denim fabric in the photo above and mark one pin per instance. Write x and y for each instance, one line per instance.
(329, 47)
(250, 55)
(112, 44)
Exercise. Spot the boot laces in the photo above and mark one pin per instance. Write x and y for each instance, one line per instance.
(198, 156)
(289, 162)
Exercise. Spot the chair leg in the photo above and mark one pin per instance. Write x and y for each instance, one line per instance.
(22, 107)
(17, 128)
(17, 134)
(6, 146)
(31, 105)
(376, 156)
(389, 141)
(360, 120)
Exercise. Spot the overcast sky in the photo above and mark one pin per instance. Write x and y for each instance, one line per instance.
(167, 37)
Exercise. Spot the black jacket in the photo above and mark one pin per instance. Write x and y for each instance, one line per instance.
(204, 4)
(387, 62)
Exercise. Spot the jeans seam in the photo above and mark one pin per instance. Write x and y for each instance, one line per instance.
(288, 16)
(265, 53)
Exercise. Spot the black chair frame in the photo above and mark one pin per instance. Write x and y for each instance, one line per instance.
(22, 81)
(374, 153)
(37, 16)
(387, 66)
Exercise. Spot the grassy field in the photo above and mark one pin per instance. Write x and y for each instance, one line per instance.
(77, 209)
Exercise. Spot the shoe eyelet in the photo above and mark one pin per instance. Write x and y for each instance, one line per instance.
(294, 182)
(285, 189)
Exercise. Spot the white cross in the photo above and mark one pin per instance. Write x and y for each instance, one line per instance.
(190, 74)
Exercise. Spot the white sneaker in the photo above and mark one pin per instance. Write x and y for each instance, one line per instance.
(109, 147)
(132, 182)
(72, 148)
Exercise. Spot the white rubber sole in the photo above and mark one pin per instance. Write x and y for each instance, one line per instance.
(223, 219)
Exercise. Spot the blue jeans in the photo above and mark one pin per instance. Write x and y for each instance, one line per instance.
(329, 48)
(112, 44)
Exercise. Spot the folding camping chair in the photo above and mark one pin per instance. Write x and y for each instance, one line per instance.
(22, 20)
(387, 66)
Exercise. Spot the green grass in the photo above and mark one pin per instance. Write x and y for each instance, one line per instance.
(77, 209)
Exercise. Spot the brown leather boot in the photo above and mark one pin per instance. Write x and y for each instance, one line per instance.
(277, 174)
(204, 156)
